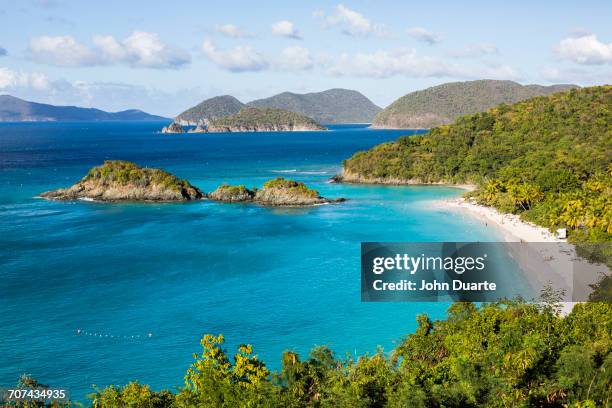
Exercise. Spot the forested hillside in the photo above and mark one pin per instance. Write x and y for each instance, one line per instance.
(442, 104)
(548, 158)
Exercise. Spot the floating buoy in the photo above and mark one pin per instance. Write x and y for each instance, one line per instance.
(113, 336)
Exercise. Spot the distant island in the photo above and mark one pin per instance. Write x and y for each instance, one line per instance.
(209, 109)
(118, 180)
(328, 107)
(331, 106)
(443, 104)
(251, 119)
(277, 192)
(13, 109)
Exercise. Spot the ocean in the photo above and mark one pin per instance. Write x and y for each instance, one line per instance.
(99, 294)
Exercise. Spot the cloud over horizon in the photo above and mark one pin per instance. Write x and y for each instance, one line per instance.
(406, 62)
(244, 58)
(141, 49)
(584, 49)
(241, 58)
(10, 79)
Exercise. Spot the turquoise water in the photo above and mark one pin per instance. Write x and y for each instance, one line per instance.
(276, 278)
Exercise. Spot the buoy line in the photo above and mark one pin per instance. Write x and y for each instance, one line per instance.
(81, 332)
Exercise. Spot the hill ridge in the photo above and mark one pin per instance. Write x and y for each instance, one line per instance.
(13, 109)
(442, 104)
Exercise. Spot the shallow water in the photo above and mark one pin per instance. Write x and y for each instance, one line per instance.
(149, 279)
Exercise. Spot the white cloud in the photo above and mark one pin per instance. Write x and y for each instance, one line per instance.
(473, 51)
(383, 64)
(585, 49)
(406, 62)
(147, 50)
(61, 50)
(140, 49)
(424, 35)
(238, 59)
(294, 59)
(350, 21)
(231, 30)
(285, 28)
(244, 58)
(10, 80)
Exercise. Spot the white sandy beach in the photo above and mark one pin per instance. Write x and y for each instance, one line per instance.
(545, 259)
(513, 229)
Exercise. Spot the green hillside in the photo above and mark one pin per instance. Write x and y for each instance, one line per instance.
(263, 119)
(331, 106)
(209, 109)
(547, 158)
(444, 103)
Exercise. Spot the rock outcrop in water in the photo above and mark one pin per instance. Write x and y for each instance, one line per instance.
(200, 128)
(119, 180)
(232, 194)
(277, 192)
(173, 128)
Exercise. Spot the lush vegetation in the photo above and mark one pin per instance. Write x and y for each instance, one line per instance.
(444, 103)
(291, 186)
(228, 193)
(506, 354)
(114, 172)
(234, 190)
(209, 109)
(264, 119)
(331, 106)
(547, 158)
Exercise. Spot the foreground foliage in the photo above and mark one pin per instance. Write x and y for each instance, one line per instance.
(507, 354)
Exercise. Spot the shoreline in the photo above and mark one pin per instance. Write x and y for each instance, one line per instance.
(546, 258)
(511, 227)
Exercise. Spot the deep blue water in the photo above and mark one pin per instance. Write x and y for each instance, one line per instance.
(276, 278)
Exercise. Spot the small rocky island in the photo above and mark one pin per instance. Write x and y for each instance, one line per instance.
(173, 128)
(251, 119)
(118, 180)
(277, 192)
(232, 194)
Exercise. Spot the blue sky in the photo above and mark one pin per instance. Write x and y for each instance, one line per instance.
(163, 57)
